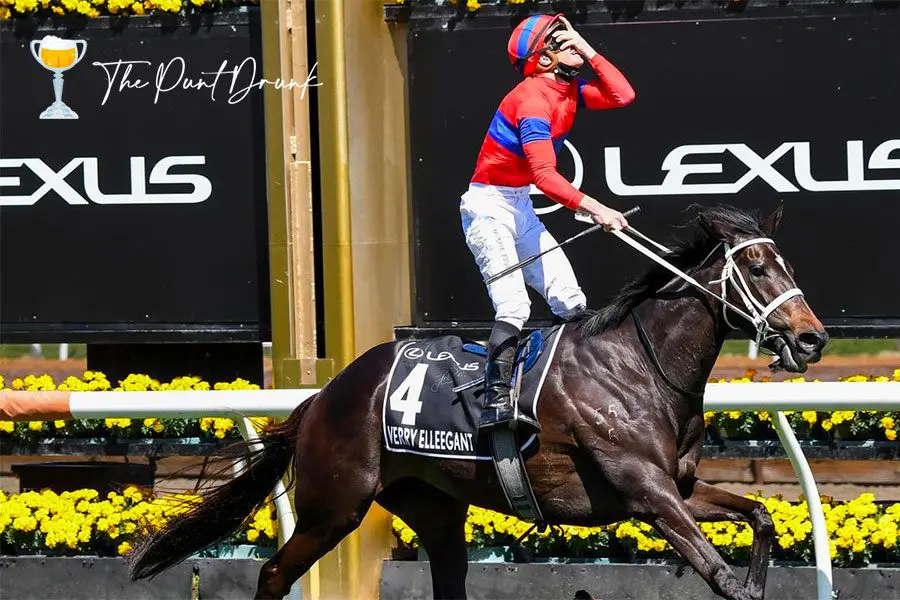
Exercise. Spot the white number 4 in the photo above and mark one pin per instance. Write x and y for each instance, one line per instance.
(405, 398)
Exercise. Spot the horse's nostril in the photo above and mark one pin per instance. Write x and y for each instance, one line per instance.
(812, 339)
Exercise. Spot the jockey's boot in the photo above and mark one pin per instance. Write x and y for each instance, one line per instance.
(498, 404)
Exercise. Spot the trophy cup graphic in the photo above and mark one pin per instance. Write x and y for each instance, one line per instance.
(58, 55)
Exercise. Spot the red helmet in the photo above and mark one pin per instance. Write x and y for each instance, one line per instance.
(527, 42)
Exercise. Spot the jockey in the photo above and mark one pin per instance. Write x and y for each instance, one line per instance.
(520, 147)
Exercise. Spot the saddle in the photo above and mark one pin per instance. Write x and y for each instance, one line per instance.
(435, 395)
(527, 353)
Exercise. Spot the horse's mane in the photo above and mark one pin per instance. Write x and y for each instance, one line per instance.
(686, 255)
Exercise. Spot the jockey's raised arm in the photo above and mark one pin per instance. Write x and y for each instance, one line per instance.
(610, 90)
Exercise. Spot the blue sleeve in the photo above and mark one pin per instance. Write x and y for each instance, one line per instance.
(532, 129)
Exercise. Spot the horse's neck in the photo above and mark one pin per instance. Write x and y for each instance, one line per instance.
(686, 329)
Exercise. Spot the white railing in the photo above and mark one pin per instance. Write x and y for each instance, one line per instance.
(772, 397)
(234, 404)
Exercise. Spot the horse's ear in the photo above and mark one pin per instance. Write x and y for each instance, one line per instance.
(716, 229)
(770, 224)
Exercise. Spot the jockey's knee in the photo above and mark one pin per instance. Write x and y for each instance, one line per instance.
(514, 312)
(571, 305)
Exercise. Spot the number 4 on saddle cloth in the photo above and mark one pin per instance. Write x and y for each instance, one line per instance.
(435, 394)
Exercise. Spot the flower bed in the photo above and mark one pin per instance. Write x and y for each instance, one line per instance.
(206, 428)
(861, 532)
(81, 522)
(97, 8)
(729, 425)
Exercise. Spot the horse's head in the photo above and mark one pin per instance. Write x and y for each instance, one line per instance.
(759, 280)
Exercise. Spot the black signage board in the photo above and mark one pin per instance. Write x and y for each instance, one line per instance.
(784, 104)
(144, 218)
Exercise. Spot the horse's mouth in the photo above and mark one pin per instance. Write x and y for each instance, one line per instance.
(791, 356)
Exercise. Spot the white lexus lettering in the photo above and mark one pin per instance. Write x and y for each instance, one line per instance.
(758, 167)
(56, 181)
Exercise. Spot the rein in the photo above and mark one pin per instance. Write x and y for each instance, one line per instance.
(645, 342)
(756, 313)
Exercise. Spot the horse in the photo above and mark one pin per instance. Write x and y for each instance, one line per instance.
(644, 374)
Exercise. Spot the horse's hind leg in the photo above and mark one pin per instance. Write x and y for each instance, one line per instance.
(322, 522)
(332, 495)
(439, 521)
(709, 503)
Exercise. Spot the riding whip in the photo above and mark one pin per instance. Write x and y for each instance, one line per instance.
(528, 261)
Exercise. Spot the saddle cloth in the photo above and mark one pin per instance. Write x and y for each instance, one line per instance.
(424, 415)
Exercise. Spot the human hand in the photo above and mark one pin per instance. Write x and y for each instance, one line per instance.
(569, 38)
(611, 219)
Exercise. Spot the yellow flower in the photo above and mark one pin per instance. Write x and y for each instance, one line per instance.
(809, 416)
(252, 535)
(890, 434)
(887, 423)
(35, 425)
(124, 548)
(7, 426)
(826, 425)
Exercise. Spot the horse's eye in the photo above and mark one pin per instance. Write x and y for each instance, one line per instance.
(757, 270)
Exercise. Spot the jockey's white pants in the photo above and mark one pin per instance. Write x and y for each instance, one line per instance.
(502, 229)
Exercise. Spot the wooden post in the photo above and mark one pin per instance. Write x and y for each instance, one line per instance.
(291, 244)
(288, 155)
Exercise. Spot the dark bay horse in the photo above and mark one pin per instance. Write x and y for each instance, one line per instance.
(622, 431)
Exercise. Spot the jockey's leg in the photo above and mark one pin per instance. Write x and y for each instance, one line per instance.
(551, 275)
(498, 408)
(489, 224)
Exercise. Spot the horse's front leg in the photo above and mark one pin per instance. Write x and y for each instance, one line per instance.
(655, 499)
(709, 503)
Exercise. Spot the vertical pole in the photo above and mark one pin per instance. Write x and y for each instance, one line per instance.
(339, 569)
(811, 492)
(283, 508)
(335, 178)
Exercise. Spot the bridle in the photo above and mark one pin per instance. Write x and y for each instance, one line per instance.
(756, 312)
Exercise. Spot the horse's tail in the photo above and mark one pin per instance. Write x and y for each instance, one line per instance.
(223, 509)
